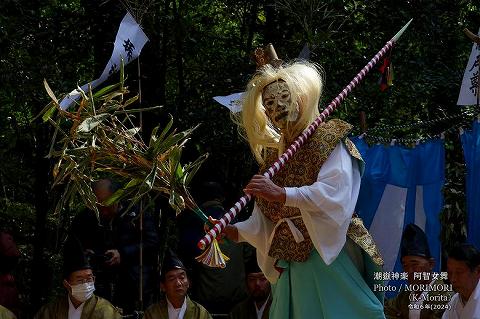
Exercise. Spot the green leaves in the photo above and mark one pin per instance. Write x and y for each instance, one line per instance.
(98, 139)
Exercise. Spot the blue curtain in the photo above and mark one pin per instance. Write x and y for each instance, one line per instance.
(471, 151)
(401, 186)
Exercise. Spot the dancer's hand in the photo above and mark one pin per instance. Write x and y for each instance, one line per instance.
(114, 257)
(230, 232)
(263, 187)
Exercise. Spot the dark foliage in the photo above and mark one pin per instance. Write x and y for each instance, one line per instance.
(199, 49)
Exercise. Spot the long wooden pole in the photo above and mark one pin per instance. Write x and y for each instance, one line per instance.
(280, 162)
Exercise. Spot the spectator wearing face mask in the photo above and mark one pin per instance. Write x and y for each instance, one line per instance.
(79, 282)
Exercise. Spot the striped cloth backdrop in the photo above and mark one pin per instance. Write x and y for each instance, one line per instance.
(400, 186)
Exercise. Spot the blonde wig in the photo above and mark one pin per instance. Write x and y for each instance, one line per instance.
(305, 83)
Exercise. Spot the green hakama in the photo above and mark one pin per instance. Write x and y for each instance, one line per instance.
(323, 291)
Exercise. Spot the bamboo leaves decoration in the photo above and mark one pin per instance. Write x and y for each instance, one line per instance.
(99, 137)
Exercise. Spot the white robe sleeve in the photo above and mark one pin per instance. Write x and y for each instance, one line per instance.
(328, 204)
(256, 231)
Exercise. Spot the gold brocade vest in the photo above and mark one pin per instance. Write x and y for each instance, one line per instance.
(303, 170)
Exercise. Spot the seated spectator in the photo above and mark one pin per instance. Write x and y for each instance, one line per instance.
(79, 282)
(176, 304)
(463, 266)
(113, 246)
(6, 314)
(257, 305)
(9, 255)
(418, 263)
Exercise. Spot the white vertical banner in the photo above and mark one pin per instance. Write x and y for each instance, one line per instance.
(128, 45)
(469, 89)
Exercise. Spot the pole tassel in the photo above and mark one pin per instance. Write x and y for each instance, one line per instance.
(213, 256)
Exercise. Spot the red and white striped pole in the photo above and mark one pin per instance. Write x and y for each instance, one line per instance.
(299, 141)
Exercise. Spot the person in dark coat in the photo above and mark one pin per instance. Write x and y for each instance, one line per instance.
(217, 289)
(113, 243)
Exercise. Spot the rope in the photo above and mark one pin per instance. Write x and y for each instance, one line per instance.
(427, 123)
(402, 140)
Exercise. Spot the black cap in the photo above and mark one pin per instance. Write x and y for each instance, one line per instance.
(74, 257)
(414, 242)
(251, 266)
(170, 262)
